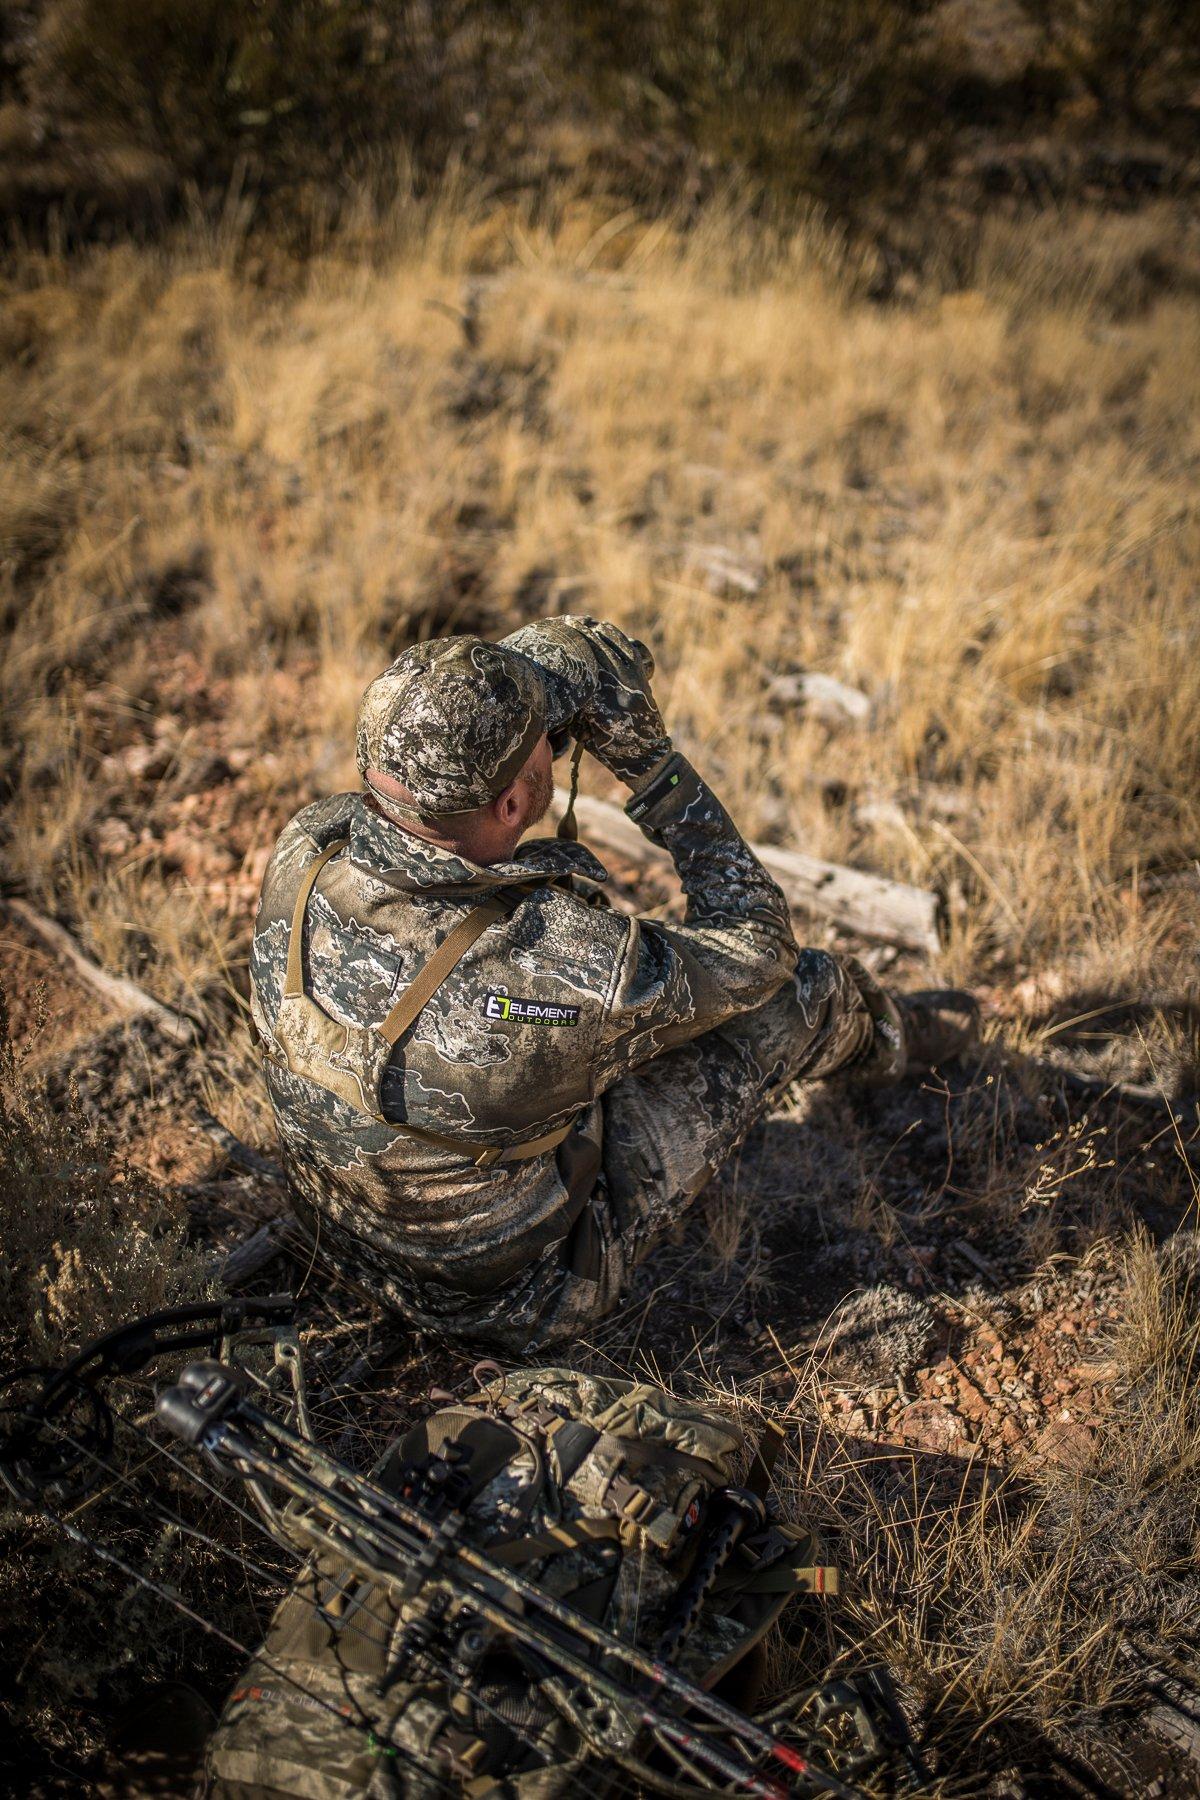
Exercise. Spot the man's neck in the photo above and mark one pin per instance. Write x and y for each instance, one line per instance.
(453, 846)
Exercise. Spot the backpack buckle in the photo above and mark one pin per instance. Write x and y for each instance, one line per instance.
(490, 1154)
(638, 1505)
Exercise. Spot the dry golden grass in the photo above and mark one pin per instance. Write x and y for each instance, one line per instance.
(1023, 1605)
(978, 508)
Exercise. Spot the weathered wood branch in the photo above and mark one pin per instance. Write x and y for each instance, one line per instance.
(869, 906)
(125, 995)
(251, 1255)
(238, 1153)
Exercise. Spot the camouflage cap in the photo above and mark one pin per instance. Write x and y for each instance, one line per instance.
(455, 720)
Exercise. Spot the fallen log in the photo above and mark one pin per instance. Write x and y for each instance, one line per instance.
(869, 906)
(120, 992)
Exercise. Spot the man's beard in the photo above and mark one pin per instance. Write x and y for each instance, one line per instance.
(541, 792)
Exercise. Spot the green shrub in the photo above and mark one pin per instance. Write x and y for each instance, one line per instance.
(800, 94)
(273, 93)
(1138, 58)
(301, 84)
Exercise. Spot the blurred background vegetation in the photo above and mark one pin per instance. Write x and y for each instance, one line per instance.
(123, 113)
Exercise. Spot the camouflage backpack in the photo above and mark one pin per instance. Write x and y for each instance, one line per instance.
(596, 1489)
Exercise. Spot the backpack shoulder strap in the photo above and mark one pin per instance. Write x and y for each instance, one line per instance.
(434, 970)
(429, 976)
(294, 980)
(420, 990)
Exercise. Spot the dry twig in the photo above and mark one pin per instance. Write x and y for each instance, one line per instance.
(120, 992)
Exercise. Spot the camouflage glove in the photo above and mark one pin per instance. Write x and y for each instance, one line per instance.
(597, 684)
(622, 726)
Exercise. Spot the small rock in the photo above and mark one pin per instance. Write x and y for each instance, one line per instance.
(199, 859)
(724, 572)
(140, 762)
(114, 837)
(823, 697)
(1039, 991)
(931, 1425)
(971, 1401)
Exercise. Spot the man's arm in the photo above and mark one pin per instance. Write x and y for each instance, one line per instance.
(735, 947)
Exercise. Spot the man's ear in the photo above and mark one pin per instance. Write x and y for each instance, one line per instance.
(507, 805)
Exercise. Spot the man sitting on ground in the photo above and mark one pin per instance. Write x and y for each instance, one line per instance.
(493, 1091)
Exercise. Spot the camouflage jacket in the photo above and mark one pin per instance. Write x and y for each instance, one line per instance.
(553, 1004)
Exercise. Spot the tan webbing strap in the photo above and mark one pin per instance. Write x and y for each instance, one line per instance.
(569, 1536)
(535, 1146)
(634, 1453)
(765, 1456)
(434, 970)
(786, 1577)
(418, 993)
(492, 1153)
(294, 981)
(787, 1567)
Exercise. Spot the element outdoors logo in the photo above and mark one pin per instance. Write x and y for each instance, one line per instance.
(528, 1012)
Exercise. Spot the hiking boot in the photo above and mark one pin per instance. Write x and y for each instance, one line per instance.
(939, 1024)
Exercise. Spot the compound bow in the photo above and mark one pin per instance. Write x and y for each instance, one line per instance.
(617, 1698)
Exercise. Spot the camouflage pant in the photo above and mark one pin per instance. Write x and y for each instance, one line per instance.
(669, 1127)
(663, 1132)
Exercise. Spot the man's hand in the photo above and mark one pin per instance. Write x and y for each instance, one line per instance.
(598, 686)
(622, 727)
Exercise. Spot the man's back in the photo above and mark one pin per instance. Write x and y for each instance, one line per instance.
(505, 1049)
(555, 1001)
(492, 1092)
